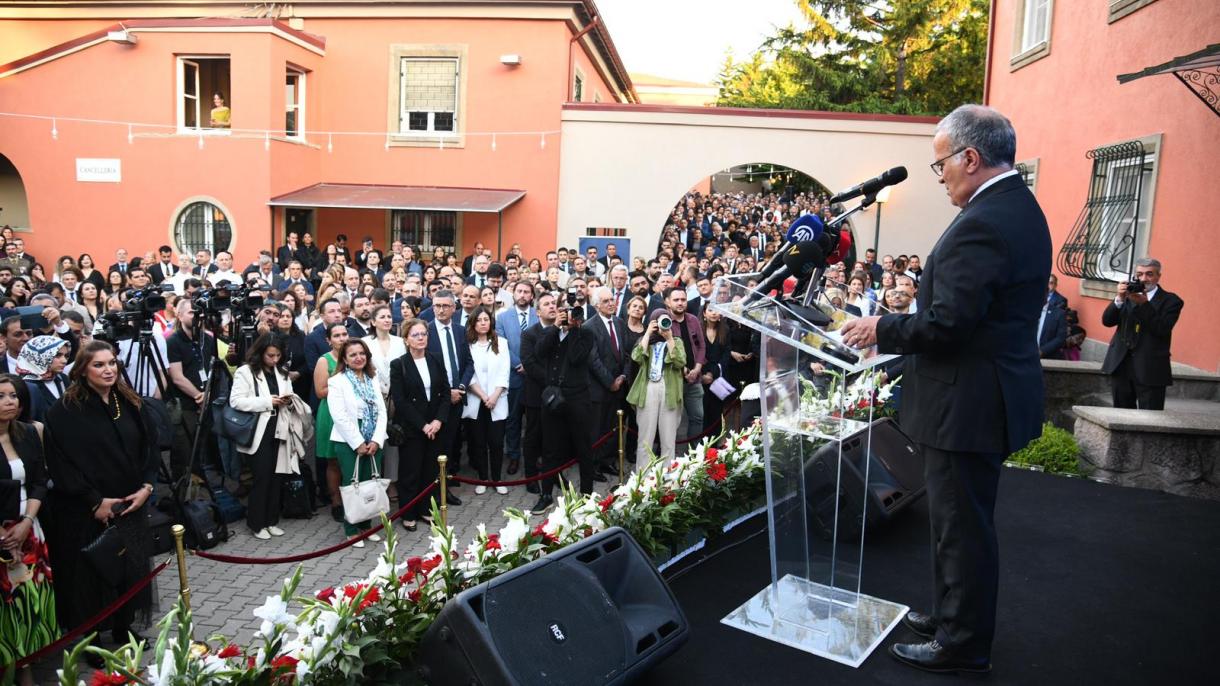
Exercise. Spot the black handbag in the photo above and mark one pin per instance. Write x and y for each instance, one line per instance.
(236, 425)
(395, 436)
(552, 398)
(107, 555)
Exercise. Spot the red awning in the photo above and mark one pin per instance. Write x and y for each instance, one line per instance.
(375, 197)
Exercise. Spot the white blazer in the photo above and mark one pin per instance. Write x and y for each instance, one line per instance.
(345, 407)
(491, 371)
(246, 397)
(382, 362)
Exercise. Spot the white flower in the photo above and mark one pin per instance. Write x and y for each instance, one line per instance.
(382, 573)
(163, 674)
(510, 536)
(557, 522)
(274, 613)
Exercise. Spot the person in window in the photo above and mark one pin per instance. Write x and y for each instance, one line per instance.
(219, 119)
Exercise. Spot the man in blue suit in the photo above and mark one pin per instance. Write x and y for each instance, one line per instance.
(509, 325)
(447, 341)
(972, 393)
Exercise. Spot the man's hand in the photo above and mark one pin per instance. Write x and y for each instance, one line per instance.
(618, 383)
(51, 315)
(1122, 291)
(1138, 298)
(860, 333)
(455, 396)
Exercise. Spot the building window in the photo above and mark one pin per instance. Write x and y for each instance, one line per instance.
(578, 86)
(1029, 174)
(425, 230)
(294, 103)
(1031, 32)
(204, 94)
(1121, 8)
(1112, 229)
(428, 95)
(202, 225)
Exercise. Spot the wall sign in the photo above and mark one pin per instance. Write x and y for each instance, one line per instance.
(99, 170)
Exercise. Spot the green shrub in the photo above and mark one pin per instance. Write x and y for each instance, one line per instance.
(1055, 451)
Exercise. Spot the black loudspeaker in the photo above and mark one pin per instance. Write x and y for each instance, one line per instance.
(595, 612)
(895, 480)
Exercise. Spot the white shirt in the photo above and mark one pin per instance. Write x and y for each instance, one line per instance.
(422, 365)
(991, 182)
(444, 345)
(225, 276)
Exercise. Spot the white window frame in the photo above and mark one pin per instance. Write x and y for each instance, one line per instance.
(1034, 34)
(199, 129)
(404, 116)
(299, 106)
(1142, 219)
(1031, 176)
(578, 84)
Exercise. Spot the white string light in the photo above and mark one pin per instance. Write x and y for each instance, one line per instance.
(54, 131)
(131, 138)
(201, 141)
(542, 142)
(330, 143)
(266, 141)
(493, 142)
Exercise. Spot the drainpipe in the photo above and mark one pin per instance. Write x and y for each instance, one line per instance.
(567, 97)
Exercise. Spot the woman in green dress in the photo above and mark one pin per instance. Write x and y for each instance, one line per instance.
(336, 335)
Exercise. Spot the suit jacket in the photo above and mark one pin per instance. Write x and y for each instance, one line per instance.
(508, 327)
(567, 361)
(973, 378)
(465, 368)
(535, 368)
(113, 268)
(1056, 299)
(283, 284)
(160, 272)
(604, 364)
(202, 272)
(1053, 335)
(286, 254)
(413, 407)
(1145, 332)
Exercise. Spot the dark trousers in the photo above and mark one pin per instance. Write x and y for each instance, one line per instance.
(417, 468)
(486, 444)
(607, 423)
(453, 438)
(263, 507)
(1131, 395)
(568, 433)
(965, 554)
(532, 446)
(512, 426)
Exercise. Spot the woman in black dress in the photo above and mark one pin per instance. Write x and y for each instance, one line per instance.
(294, 351)
(716, 356)
(420, 390)
(101, 454)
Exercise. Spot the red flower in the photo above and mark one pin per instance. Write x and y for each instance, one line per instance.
(717, 472)
(549, 539)
(250, 662)
(432, 563)
(414, 565)
(101, 678)
(413, 596)
(229, 651)
(667, 499)
(326, 594)
(606, 502)
(371, 597)
(284, 668)
(711, 454)
(673, 465)
(352, 591)
(493, 542)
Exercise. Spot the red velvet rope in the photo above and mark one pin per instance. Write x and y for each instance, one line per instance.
(95, 620)
(236, 559)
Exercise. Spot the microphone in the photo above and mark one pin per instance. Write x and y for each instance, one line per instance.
(800, 262)
(888, 178)
(806, 228)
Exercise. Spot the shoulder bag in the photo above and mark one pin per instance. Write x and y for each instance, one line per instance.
(364, 500)
(234, 424)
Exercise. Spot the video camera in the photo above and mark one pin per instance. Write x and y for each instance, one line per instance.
(237, 299)
(135, 317)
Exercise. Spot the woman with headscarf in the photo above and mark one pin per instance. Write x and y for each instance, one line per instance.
(41, 362)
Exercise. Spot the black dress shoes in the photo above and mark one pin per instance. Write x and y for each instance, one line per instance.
(544, 502)
(922, 624)
(532, 487)
(933, 657)
(452, 499)
(600, 478)
(513, 465)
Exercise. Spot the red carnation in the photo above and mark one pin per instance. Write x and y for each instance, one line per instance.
(667, 498)
(413, 596)
(717, 471)
(432, 563)
(326, 594)
(101, 678)
(673, 465)
(371, 597)
(229, 651)
(493, 543)
(284, 668)
(414, 565)
(606, 502)
(352, 591)
(711, 454)
(546, 538)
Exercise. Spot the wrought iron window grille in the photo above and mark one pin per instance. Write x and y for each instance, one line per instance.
(1102, 243)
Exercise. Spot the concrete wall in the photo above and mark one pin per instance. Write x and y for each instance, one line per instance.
(627, 166)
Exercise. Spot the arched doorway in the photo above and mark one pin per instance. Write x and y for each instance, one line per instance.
(14, 207)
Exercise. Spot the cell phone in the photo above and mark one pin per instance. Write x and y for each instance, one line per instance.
(120, 507)
(31, 317)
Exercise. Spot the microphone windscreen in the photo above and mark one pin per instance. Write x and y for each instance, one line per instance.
(804, 258)
(895, 175)
(805, 228)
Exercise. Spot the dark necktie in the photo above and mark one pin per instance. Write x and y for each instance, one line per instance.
(452, 351)
(618, 354)
(524, 319)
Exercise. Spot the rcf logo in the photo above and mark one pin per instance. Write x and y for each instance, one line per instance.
(557, 633)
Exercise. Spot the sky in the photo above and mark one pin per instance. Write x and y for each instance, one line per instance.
(687, 39)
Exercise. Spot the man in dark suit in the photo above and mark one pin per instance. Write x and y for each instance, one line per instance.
(973, 389)
(1052, 332)
(164, 268)
(120, 265)
(1138, 358)
(607, 383)
(203, 264)
(510, 323)
(1053, 297)
(533, 448)
(447, 341)
(289, 251)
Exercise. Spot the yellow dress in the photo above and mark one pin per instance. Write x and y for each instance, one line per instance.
(220, 117)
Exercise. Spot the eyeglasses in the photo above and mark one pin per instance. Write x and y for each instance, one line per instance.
(938, 167)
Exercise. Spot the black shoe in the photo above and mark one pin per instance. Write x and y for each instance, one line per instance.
(513, 466)
(599, 478)
(933, 657)
(532, 487)
(336, 513)
(452, 499)
(409, 526)
(544, 502)
(609, 469)
(921, 624)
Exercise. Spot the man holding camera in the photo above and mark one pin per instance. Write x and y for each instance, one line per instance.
(1138, 358)
(686, 328)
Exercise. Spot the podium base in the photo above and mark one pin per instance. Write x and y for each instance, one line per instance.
(829, 622)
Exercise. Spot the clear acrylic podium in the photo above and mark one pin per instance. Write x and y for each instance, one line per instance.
(816, 530)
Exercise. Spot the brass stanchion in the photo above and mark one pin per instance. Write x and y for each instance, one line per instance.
(622, 446)
(441, 460)
(184, 589)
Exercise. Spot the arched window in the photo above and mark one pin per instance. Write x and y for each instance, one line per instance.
(202, 225)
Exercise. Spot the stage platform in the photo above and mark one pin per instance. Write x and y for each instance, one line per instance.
(1099, 584)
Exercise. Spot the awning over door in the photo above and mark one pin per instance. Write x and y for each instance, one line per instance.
(382, 197)
(1198, 71)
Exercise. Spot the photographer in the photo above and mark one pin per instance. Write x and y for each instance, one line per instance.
(689, 331)
(189, 359)
(657, 390)
(567, 419)
(1138, 358)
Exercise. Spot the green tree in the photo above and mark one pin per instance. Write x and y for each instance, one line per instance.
(895, 56)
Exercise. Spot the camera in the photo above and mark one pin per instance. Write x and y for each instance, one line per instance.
(135, 317)
(576, 312)
(1135, 286)
(664, 322)
(150, 300)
